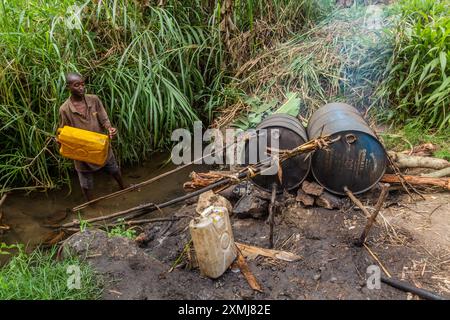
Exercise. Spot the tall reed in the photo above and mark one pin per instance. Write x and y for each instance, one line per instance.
(151, 67)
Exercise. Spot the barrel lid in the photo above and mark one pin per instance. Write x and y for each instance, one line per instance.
(357, 163)
(336, 117)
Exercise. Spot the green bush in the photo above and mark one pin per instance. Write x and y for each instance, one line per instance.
(418, 82)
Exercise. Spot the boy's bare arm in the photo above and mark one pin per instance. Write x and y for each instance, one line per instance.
(104, 119)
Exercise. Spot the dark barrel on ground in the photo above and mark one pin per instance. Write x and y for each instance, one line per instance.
(291, 134)
(356, 161)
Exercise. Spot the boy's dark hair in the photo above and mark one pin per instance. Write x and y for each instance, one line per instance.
(71, 76)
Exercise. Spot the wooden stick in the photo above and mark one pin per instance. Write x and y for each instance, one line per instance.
(373, 217)
(377, 260)
(251, 279)
(270, 219)
(247, 172)
(149, 207)
(142, 221)
(416, 180)
(407, 161)
(131, 188)
(357, 202)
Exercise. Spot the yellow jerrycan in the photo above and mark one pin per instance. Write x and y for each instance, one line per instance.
(213, 241)
(83, 145)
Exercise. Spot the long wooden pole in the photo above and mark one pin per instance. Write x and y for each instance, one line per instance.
(131, 188)
(271, 214)
(144, 183)
(419, 181)
(149, 207)
(249, 171)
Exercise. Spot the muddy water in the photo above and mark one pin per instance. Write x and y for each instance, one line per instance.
(28, 214)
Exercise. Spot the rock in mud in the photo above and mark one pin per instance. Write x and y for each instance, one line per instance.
(312, 188)
(209, 198)
(328, 201)
(251, 206)
(304, 198)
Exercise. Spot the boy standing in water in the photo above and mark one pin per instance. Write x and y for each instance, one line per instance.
(86, 111)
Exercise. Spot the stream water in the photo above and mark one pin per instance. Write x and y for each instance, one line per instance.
(27, 214)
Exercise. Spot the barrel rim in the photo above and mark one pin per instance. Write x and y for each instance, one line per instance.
(301, 132)
(295, 123)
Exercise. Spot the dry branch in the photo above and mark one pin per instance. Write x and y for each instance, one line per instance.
(373, 217)
(437, 174)
(406, 161)
(2, 200)
(251, 279)
(304, 198)
(357, 202)
(418, 181)
(131, 188)
(248, 250)
(328, 201)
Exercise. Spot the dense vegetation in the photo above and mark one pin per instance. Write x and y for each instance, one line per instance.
(156, 67)
(161, 66)
(417, 81)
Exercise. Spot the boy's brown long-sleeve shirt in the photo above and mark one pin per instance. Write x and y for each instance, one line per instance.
(96, 120)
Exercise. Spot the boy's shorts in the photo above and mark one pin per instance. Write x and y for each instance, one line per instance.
(87, 178)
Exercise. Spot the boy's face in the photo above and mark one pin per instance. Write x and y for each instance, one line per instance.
(76, 86)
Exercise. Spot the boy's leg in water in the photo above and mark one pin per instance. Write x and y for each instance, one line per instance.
(112, 168)
(87, 184)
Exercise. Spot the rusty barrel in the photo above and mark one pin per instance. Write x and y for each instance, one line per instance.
(357, 160)
(291, 134)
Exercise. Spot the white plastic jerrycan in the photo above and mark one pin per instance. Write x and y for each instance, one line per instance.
(213, 241)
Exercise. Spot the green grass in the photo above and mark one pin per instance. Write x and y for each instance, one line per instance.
(120, 230)
(38, 276)
(417, 82)
(401, 139)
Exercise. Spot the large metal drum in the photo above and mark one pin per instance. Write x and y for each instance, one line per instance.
(291, 134)
(356, 161)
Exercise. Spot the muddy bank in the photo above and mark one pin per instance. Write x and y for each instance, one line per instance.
(331, 266)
